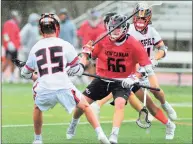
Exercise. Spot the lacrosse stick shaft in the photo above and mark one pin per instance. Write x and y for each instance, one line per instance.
(115, 80)
(99, 77)
(114, 28)
(122, 23)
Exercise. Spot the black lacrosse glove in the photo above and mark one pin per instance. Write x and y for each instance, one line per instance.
(18, 63)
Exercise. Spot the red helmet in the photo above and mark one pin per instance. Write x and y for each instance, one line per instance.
(49, 23)
(143, 17)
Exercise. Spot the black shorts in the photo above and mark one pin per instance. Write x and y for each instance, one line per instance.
(98, 89)
(11, 55)
(134, 89)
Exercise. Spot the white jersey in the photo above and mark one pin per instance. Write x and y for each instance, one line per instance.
(49, 57)
(149, 40)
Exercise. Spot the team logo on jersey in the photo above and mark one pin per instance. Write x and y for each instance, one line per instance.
(116, 54)
(147, 42)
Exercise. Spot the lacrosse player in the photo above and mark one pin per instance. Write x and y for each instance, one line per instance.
(143, 31)
(116, 57)
(132, 98)
(50, 56)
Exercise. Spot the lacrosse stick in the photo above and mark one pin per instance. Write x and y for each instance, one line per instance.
(18, 63)
(144, 5)
(143, 121)
(115, 80)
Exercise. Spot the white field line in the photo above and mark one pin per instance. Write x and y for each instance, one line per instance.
(107, 104)
(81, 123)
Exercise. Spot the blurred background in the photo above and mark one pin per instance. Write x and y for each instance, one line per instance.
(173, 20)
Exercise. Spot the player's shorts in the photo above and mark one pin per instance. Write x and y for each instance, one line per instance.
(11, 55)
(68, 98)
(98, 89)
(134, 89)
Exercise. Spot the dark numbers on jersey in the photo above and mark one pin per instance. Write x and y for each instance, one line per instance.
(54, 59)
(115, 65)
(148, 51)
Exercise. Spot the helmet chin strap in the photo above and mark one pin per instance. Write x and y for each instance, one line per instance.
(121, 39)
(144, 31)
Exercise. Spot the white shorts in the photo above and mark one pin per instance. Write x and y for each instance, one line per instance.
(68, 98)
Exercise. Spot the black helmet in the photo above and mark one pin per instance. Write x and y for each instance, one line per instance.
(49, 23)
(107, 17)
(119, 32)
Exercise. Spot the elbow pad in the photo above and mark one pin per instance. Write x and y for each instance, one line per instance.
(25, 73)
(76, 70)
(164, 48)
(149, 70)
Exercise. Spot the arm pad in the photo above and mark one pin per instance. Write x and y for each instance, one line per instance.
(25, 73)
(164, 48)
(149, 70)
(76, 70)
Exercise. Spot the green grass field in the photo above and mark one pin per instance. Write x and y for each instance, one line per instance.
(17, 125)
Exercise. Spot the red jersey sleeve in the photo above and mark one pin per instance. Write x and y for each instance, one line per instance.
(96, 50)
(97, 47)
(139, 53)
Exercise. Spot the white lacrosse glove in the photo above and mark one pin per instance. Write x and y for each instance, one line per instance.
(25, 73)
(143, 73)
(154, 62)
(75, 70)
(128, 82)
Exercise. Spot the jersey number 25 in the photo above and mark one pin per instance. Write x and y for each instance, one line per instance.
(53, 59)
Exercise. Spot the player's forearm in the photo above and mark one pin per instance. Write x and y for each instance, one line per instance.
(160, 54)
(162, 50)
(84, 59)
(34, 77)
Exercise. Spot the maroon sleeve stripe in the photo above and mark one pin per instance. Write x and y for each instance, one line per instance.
(30, 69)
(157, 42)
(74, 61)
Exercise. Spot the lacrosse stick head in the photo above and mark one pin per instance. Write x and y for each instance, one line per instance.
(18, 63)
(143, 121)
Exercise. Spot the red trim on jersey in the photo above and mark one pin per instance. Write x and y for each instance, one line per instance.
(75, 97)
(157, 42)
(74, 61)
(30, 69)
(34, 90)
